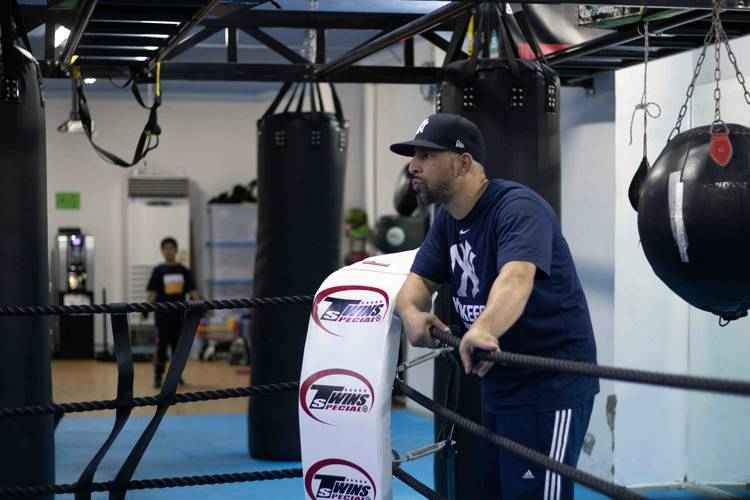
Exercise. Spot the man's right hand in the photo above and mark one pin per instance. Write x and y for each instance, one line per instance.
(417, 326)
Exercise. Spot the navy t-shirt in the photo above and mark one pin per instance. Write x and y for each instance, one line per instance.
(510, 222)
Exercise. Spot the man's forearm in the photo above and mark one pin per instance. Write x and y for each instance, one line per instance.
(415, 293)
(508, 297)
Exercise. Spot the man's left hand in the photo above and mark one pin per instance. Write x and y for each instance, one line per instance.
(477, 338)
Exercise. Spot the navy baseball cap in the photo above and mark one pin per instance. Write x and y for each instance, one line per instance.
(445, 132)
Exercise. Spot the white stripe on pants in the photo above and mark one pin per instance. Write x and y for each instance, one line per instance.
(557, 452)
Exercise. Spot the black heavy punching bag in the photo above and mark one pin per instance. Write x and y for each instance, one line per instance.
(301, 163)
(27, 449)
(694, 218)
(515, 103)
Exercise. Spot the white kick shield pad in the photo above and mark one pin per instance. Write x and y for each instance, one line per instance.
(347, 380)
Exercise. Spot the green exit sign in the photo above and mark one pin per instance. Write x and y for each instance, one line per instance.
(67, 201)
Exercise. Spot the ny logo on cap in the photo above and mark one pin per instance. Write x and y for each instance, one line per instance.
(459, 144)
(422, 126)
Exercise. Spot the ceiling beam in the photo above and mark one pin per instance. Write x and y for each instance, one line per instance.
(304, 19)
(243, 72)
(181, 34)
(130, 28)
(275, 45)
(123, 40)
(82, 20)
(614, 40)
(423, 23)
(191, 42)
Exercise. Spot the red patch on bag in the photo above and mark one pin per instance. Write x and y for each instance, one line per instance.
(720, 148)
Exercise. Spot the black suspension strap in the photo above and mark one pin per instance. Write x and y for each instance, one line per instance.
(124, 357)
(149, 139)
(168, 390)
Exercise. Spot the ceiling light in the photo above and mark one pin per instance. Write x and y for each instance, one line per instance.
(61, 35)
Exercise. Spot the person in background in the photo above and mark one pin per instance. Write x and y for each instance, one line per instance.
(170, 281)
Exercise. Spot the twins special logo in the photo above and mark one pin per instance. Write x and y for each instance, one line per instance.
(337, 307)
(335, 391)
(340, 480)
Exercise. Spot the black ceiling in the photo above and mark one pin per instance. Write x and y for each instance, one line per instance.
(110, 39)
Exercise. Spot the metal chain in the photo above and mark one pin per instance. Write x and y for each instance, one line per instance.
(691, 87)
(719, 37)
(310, 49)
(733, 60)
(716, 21)
(644, 98)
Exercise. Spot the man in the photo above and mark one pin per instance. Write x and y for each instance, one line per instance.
(169, 281)
(515, 287)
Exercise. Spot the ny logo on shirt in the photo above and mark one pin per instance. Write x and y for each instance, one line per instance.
(463, 257)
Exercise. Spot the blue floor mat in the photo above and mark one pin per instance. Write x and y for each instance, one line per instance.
(187, 445)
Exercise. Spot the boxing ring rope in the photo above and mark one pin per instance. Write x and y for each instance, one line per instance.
(113, 404)
(203, 480)
(147, 307)
(140, 484)
(584, 478)
(678, 381)
(725, 386)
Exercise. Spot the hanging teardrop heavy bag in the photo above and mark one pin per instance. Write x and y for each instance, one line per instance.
(301, 166)
(515, 103)
(694, 218)
(27, 450)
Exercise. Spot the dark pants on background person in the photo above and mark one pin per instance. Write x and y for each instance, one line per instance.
(167, 334)
(557, 434)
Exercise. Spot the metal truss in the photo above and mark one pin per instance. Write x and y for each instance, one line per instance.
(124, 39)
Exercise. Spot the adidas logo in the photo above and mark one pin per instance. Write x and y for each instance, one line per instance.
(459, 144)
(528, 475)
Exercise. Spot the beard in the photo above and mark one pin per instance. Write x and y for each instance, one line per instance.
(439, 193)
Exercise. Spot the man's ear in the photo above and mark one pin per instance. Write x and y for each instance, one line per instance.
(466, 161)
